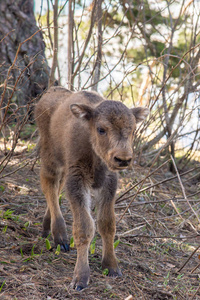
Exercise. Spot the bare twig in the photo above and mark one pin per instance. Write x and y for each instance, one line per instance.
(155, 159)
(179, 270)
(183, 190)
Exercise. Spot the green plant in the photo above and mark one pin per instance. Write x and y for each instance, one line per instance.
(5, 229)
(2, 285)
(48, 245)
(26, 225)
(105, 272)
(116, 243)
(166, 279)
(33, 255)
(178, 281)
(7, 214)
(60, 198)
(93, 245)
(2, 188)
(180, 276)
(57, 250)
(32, 251)
(21, 251)
(31, 147)
(72, 242)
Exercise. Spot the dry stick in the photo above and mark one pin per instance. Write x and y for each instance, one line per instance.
(189, 258)
(153, 185)
(168, 237)
(159, 220)
(155, 159)
(159, 201)
(138, 289)
(195, 268)
(126, 234)
(183, 190)
(195, 293)
(131, 188)
(10, 173)
(6, 35)
(173, 68)
(173, 216)
(137, 66)
(176, 209)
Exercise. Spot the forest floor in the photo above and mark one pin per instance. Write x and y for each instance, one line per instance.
(155, 237)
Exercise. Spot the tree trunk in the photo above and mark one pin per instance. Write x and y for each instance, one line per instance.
(97, 67)
(55, 45)
(70, 44)
(28, 75)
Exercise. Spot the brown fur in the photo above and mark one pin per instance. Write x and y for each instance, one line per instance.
(84, 140)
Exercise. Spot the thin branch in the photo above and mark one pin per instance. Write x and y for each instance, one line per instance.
(189, 258)
(155, 159)
(183, 189)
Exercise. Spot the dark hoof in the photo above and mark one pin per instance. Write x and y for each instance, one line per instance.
(45, 234)
(113, 273)
(64, 247)
(80, 281)
(80, 288)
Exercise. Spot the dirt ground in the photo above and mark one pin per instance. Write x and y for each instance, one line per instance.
(155, 237)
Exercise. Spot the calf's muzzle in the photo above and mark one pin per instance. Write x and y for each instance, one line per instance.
(121, 159)
(122, 162)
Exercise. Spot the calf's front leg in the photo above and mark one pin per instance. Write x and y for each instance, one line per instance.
(83, 230)
(106, 224)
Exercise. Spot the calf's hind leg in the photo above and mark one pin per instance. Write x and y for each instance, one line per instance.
(51, 186)
(106, 224)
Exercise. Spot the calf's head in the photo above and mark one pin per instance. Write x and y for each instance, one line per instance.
(112, 126)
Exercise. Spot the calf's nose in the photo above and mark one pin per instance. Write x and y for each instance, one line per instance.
(123, 161)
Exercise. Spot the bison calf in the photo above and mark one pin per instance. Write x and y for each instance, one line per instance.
(84, 140)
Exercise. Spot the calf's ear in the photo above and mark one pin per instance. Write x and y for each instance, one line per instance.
(81, 111)
(140, 113)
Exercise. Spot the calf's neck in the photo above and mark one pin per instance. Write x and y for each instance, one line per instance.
(84, 141)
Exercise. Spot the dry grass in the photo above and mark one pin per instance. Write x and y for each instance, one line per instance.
(157, 234)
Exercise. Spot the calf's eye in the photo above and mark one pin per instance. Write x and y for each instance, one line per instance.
(101, 131)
